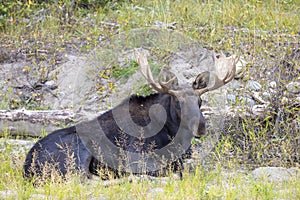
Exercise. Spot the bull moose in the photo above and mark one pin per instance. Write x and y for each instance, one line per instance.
(176, 117)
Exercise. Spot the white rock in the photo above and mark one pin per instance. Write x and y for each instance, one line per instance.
(259, 109)
(276, 174)
(293, 87)
(253, 85)
(284, 100)
(273, 84)
(50, 83)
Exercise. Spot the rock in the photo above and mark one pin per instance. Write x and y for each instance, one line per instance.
(247, 101)
(258, 97)
(259, 109)
(242, 100)
(231, 98)
(51, 84)
(293, 87)
(273, 84)
(267, 95)
(276, 174)
(75, 84)
(78, 85)
(189, 62)
(284, 100)
(253, 85)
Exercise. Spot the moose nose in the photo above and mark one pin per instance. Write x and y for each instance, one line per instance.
(198, 126)
(201, 130)
(201, 126)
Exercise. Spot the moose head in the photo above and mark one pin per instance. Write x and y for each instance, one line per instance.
(190, 98)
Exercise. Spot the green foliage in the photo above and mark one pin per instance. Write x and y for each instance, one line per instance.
(18, 12)
(144, 90)
(125, 72)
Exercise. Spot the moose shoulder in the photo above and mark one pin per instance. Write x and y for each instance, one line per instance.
(74, 149)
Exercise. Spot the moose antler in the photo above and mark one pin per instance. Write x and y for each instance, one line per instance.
(146, 72)
(224, 72)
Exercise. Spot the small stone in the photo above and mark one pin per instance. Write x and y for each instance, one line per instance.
(258, 97)
(259, 109)
(253, 85)
(273, 84)
(284, 100)
(293, 87)
(50, 83)
(267, 95)
(231, 98)
(247, 101)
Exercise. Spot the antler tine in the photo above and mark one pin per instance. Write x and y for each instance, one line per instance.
(218, 83)
(163, 83)
(146, 72)
(145, 69)
(223, 63)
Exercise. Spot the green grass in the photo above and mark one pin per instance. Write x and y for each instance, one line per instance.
(265, 33)
(214, 183)
(125, 73)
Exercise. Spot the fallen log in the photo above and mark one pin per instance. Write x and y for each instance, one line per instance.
(33, 122)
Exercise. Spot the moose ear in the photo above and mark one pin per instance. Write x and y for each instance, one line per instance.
(201, 80)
